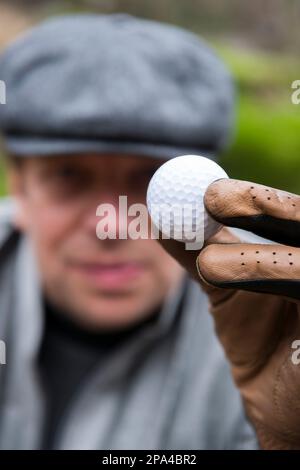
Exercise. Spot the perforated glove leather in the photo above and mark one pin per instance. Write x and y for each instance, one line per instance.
(254, 293)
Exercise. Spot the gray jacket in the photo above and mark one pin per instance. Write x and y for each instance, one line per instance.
(169, 387)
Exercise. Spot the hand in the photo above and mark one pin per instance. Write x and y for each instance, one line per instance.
(254, 292)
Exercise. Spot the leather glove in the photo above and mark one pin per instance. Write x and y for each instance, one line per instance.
(254, 293)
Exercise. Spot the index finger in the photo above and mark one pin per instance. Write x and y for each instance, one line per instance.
(268, 212)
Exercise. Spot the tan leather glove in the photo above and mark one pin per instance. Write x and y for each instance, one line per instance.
(254, 291)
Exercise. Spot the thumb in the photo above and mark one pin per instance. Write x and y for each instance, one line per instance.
(188, 259)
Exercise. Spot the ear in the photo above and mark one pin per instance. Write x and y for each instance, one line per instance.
(16, 187)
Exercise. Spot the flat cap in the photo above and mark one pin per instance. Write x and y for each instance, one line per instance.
(113, 83)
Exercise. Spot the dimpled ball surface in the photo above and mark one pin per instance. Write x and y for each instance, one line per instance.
(178, 187)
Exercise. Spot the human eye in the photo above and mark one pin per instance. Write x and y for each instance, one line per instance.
(66, 180)
(67, 174)
(141, 178)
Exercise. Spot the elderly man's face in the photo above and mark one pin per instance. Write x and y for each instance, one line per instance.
(101, 283)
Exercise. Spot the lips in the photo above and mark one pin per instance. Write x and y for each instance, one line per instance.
(110, 275)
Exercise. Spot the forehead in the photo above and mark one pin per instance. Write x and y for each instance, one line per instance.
(93, 161)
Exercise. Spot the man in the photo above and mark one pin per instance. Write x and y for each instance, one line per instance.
(109, 343)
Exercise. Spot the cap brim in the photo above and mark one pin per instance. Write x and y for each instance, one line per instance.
(24, 147)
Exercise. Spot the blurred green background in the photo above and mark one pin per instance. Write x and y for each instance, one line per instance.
(259, 41)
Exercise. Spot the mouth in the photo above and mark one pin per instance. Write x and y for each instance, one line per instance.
(111, 276)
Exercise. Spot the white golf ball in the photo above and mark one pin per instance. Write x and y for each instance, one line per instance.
(175, 198)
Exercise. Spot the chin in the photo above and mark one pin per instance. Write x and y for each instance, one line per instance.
(110, 313)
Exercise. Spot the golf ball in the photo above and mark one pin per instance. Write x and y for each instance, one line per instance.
(175, 198)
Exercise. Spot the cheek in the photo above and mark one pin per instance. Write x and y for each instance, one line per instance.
(165, 270)
(48, 226)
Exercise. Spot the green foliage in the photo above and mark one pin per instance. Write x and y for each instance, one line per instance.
(266, 147)
(255, 71)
